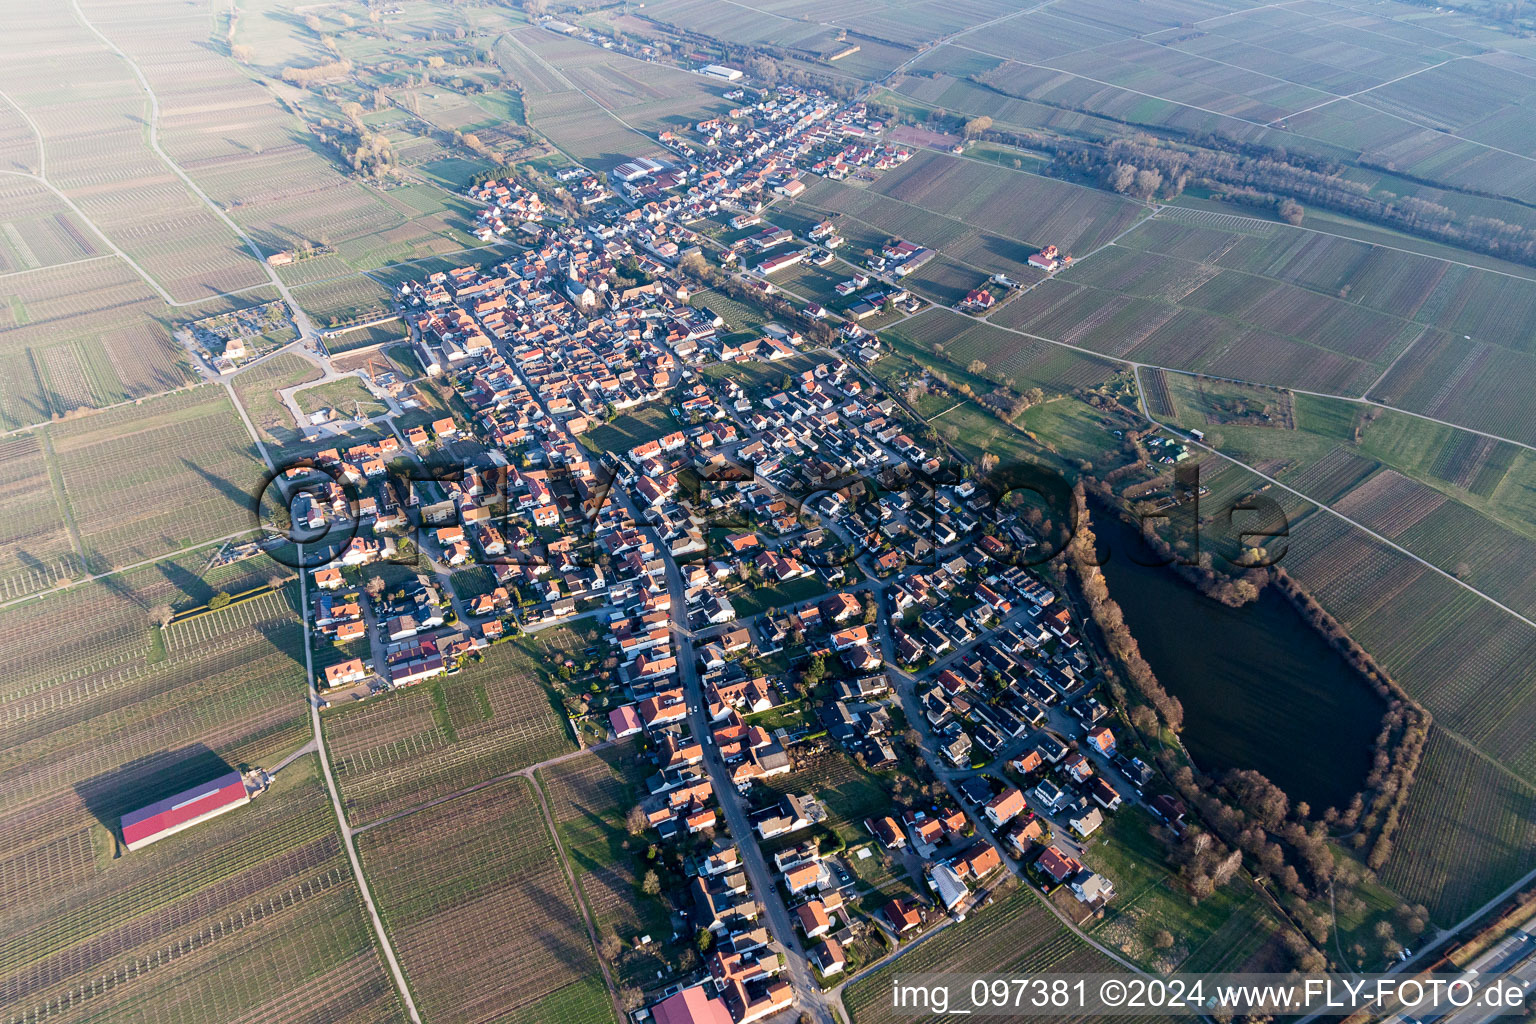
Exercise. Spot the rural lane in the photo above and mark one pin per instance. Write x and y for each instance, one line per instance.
(385, 948)
(300, 318)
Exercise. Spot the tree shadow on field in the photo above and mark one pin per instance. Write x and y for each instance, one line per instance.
(563, 922)
(197, 591)
(97, 564)
(231, 490)
(32, 562)
(281, 635)
(138, 783)
(612, 835)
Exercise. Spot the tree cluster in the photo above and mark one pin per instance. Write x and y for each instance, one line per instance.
(1271, 179)
(308, 78)
(1107, 616)
(1399, 746)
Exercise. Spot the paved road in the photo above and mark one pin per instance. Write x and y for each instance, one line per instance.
(385, 947)
(308, 748)
(906, 690)
(808, 995)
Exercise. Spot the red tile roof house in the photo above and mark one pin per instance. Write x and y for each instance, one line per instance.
(1056, 865)
(1005, 806)
(805, 876)
(828, 957)
(900, 916)
(182, 811)
(346, 672)
(625, 721)
(1102, 740)
(813, 919)
(691, 1006)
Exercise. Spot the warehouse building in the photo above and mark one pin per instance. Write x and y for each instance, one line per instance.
(174, 813)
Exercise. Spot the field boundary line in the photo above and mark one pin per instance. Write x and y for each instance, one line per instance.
(123, 569)
(1373, 88)
(60, 496)
(386, 949)
(577, 896)
(42, 143)
(1359, 399)
(1406, 348)
(58, 266)
(1482, 755)
(300, 318)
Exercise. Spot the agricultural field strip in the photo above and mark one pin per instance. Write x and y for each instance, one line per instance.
(1260, 283)
(41, 179)
(154, 144)
(475, 889)
(943, 40)
(1328, 508)
(57, 266)
(1246, 120)
(1380, 85)
(126, 568)
(1237, 380)
(492, 781)
(37, 133)
(572, 86)
(1333, 97)
(1134, 363)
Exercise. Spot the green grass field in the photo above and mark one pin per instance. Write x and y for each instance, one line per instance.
(632, 427)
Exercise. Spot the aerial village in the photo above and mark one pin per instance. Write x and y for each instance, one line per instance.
(784, 571)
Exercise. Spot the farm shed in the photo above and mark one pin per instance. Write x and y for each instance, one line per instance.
(190, 807)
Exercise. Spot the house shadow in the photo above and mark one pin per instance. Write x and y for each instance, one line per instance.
(138, 783)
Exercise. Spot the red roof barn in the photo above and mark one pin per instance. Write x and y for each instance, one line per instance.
(174, 813)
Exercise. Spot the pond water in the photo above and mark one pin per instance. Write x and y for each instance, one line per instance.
(1261, 688)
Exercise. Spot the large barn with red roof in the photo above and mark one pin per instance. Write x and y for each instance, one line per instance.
(190, 807)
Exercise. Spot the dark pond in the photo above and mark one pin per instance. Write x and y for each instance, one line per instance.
(1261, 689)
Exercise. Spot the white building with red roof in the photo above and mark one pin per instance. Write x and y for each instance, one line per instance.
(191, 807)
(691, 1006)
